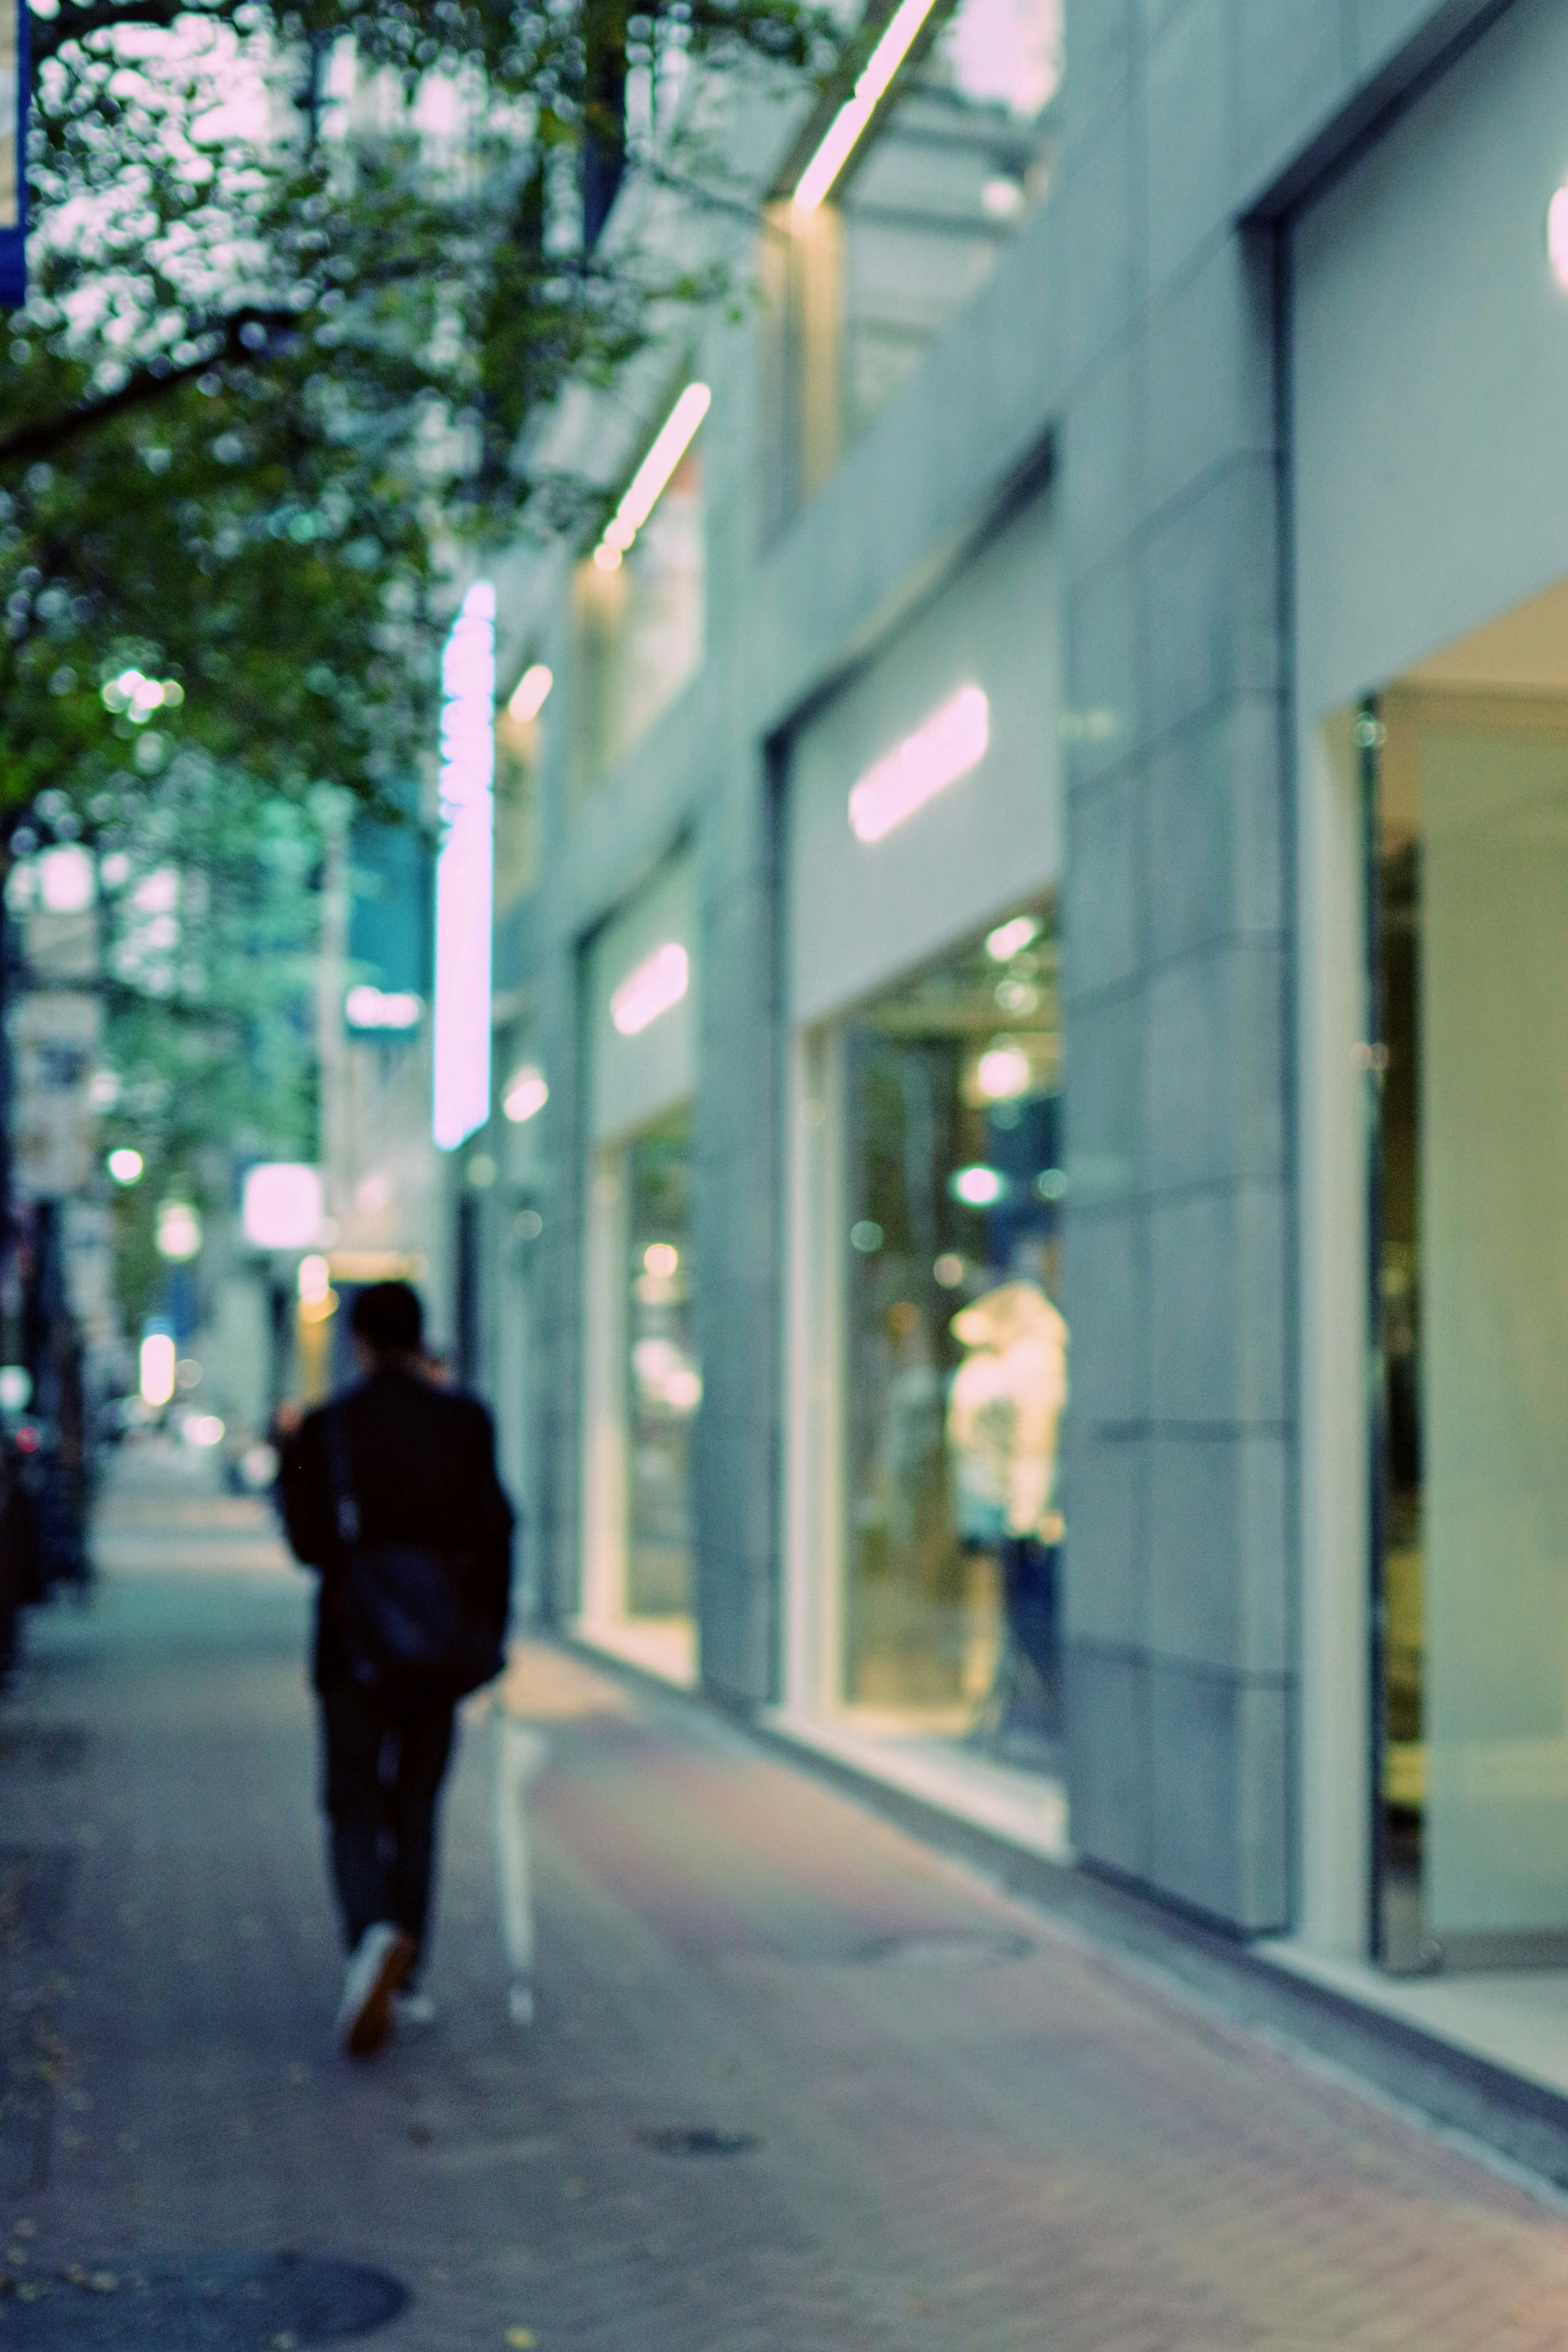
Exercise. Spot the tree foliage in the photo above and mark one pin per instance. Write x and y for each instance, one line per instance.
(282, 350)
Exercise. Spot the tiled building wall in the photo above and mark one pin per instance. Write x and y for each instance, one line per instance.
(1191, 123)
(1134, 324)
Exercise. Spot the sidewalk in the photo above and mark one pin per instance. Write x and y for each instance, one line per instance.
(795, 2082)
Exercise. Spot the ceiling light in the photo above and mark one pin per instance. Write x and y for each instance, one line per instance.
(526, 1096)
(531, 693)
(951, 742)
(1557, 234)
(1003, 1073)
(650, 990)
(1002, 198)
(1009, 939)
(315, 1278)
(669, 445)
(978, 1188)
(855, 113)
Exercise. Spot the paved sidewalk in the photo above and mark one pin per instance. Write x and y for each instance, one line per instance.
(932, 2122)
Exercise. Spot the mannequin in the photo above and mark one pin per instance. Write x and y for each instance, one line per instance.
(1004, 1417)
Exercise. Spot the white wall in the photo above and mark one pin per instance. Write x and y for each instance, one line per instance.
(859, 915)
(634, 1079)
(1431, 369)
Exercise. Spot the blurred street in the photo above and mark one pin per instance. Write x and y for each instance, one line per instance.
(794, 2082)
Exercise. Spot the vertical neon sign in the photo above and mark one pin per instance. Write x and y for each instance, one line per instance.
(465, 869)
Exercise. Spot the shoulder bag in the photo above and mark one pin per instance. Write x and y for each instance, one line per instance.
(406, 1614)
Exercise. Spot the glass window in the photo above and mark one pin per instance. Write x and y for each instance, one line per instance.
(518, 747)
(956, 1351)
(639, 630)
(1467, 820)
(856, 290)
(642, 1387)
(664, 1385)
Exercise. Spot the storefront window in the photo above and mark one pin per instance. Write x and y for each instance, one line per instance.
(643, 1391)
(1468, 803)
(664, 1385)
(956, 1351)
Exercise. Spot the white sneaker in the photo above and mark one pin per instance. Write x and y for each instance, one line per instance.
(413, 2008)
(380, 1966)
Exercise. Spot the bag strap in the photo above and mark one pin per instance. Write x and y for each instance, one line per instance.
(348, 1509)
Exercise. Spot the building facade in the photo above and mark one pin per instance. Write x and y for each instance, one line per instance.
(1038, 1217)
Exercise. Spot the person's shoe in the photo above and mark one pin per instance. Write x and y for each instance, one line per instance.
(413, 2008)
(377, 1970)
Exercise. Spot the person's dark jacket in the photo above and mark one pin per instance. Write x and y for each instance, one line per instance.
(422, 1460)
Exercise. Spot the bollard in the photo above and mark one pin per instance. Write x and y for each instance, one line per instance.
(521, 1754)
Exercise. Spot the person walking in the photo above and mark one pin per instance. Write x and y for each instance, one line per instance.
(390, 1492)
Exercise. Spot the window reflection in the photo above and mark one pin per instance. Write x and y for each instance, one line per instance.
(958, 1352)
(663, 1383)
(638, 629)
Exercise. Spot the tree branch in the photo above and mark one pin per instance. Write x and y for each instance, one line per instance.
(225, 340)
(77, 18)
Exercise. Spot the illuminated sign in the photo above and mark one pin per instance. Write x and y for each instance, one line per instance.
(951, 742)
(650, 990)
(465, 871)
(281, 1206)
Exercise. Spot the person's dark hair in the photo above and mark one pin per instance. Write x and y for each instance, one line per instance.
(388, 1317)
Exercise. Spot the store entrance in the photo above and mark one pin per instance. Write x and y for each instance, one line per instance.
(1465, 789)
(644, 1388)
(956, 1351)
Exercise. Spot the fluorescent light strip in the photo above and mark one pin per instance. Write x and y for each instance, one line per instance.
(650, 990)
(952, 742)
(465, 871)
(531, 693)
(672, 441)
(526, 1096)
(856, 112)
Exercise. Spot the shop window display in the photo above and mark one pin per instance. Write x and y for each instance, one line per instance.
(663, 1383)
(956, 1351)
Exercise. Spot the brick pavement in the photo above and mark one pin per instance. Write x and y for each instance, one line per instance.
(971, 2131)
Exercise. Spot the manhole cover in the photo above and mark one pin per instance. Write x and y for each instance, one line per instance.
(196, 2303)
(698, 2140)
(959, 1949)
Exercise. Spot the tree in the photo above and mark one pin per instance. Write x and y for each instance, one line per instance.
(283, 348)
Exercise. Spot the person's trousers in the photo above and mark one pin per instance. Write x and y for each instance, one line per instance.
(384, 1755)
